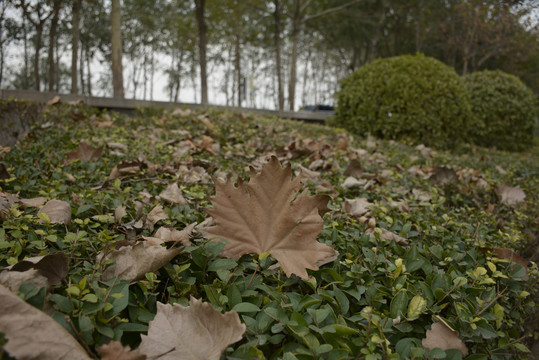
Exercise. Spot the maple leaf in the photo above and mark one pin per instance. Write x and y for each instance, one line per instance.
(267, 214)
(190, 333)
(32, 334)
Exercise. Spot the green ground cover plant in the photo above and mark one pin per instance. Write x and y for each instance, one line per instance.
(414, 249)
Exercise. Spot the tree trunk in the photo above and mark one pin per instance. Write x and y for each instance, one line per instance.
(25, 78)
(296, 28)
(39, 34)
(237, 61)
(75, 46)
(81, 70)
(52, 41)
(277, 43)
(116, 43)
(202, 43)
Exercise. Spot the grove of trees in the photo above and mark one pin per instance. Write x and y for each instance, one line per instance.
(272, 53)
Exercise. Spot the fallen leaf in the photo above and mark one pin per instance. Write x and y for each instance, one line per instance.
(442, 336)
(85, 152)
(53, 266)
(181, 112)
(134, 261)
(31, 334)
(268, 215)
(388, 235)
(155, 215)
(353, 183)
(55, 100)
(164, 235)
(173, 194)
(505, 253)
(510, 195)
(425, 151)
(34, 202)
(13, 279)
(119, 213)
(114, 350)
(357, 207)
(118, 146)
(195, 332)
(58, 211)
(354, 169)
(443, 176)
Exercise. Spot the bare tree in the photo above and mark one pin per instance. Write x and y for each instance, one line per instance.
(116, 43)
(202, 44)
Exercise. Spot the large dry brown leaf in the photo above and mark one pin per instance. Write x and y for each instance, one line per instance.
(510, 195)
(267, 215)
(13, 279)
(31, 334)
(86, 152)
(114, 350)
(443, 337)
(34, 202)
(53, 266)
(134, 261)
(58, 211)
(197, 332)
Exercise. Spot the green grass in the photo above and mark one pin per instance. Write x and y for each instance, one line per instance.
(358, 306)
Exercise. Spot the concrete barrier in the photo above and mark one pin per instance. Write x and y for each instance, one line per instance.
(130, 104)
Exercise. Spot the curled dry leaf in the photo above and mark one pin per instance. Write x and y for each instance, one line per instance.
(388, 235)
(13, 279)
(58, 211)
(156, 214)
(173, 195)
(443, 337)
(54, 267)
(268, 215)
(86, 152)
(119, 213)
(114, 350)
(164, 235)
(354, 169)
(31, 334)
(34, 202)
(353, 183)
(505, 253)
(134, 261)
(186, 333)
(510, 195)
(357, 207)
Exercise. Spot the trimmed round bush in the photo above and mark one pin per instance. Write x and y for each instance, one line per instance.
(505, 109)
(413, 98)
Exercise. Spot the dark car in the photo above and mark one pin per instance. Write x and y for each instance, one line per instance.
(319, 108)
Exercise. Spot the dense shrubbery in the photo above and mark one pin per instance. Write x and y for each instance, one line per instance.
(413, 98)
(505, 109)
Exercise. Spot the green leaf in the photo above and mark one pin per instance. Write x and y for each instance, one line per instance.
(245, 307)
(416, 307)
(399, 304)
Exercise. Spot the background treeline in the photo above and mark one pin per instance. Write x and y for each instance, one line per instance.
(273, 53)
